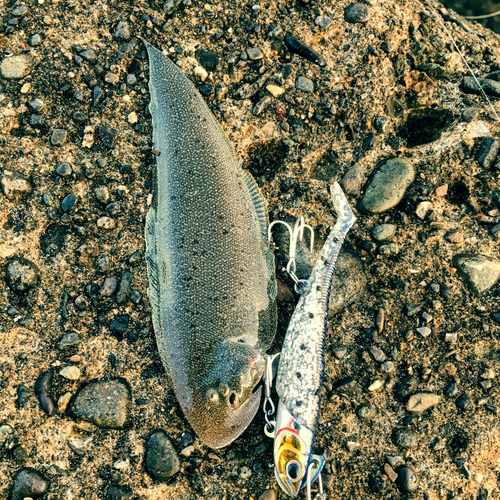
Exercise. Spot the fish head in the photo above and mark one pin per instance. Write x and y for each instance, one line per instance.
(227, 400)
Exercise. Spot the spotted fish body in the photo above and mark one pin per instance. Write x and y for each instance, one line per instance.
(301, 362)
(212, 282)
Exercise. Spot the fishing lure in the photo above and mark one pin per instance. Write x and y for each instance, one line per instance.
(301, 366)
(212, 283)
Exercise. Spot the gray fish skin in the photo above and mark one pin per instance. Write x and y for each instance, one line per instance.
(211, 273)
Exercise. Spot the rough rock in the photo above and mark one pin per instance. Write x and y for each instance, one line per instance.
(423, 401)
(480, 272)
(162, 460)
(14, 185)
(29, 483)
(21, 274)
(17, 67)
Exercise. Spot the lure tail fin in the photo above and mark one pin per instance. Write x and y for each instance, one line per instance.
(341, 205)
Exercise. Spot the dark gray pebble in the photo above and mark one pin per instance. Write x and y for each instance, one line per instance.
(29, 483)
(300, 48)
(451, 389)
(377, 484)
(407, 480)
(261, 105)
(105, 403)
(162, 460)
(188, 439)
(304, 84)
(118, 325)
(23, 394)
(124, 290)
(44, 382)
(170, 5)
(36, 121)
(58, 137)
(464, 402)
(488, 152)
(490, 87)
(135, 296)
(69, 339)
(404, 387)
(68, 203)
(108, 136)
(357, 13)
(64, 169)
(207, 59)
(21, 275)
(89, 55)
(124, 492)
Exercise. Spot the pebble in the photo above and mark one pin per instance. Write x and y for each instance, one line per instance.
(388, 185)
(36, 105)
(490, 87)
(122, 31)
(23, 394)
(480, 272)
(376, 386)
(391, 474)
(394, 460)
(488, 151)
(408, 479)
(301, 49)
(58, 137)
(441, 190)
(405, 439)
(423, 209)
(356, 13)
(339, 351)
(42, 391)
(123, 492)
(89, 55)
(68, 203)
(71, 372)
(207, 59)
(64, 169)
(104, 403)
(36, 121)
(367, 412)
(29, 483)
(125, 285)
(69, 339)
(421, 402)
(112, 78)
(17, 67)
(378, 354)
(388, 367)
(106, 223)
(261, 105)
(348, 386)
(495, 230)
(245, 472)
(8, 439)
(352, 446)
(275, 91)
(323, 21)
(384, 232)
(102, 194)
(63, 401)
(451, 389)
(132, 79)
(162, 460)
(388, 250)
(170, 5)
(464, 402)
(35, 40)
(404, 387)
(451, 337)
(118, 325)
(454, 236)
(15, 186)
(382, 124)
(254, 53)
(353, 179)
(304, 84)
(269, 495)
(108, 286)
(470, 114)
(107, 135)
(424, 331)
(21, 274)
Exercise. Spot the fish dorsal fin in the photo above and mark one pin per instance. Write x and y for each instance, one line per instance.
(257, 201)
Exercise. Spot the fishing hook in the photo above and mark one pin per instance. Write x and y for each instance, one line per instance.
(309, 482)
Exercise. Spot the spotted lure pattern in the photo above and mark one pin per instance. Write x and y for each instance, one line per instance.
(301, 362)
(212, 283)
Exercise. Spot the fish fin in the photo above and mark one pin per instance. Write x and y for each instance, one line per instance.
(154, 285)
(258, 203)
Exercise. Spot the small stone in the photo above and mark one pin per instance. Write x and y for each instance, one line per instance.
(269, 495)
(424, 331)
(261, 105)
(454, 236)
(405, 439)
(464, 402)
(388, 250)
(382, 124)
(68, 203)
(131, 79)
(339, 351)
(254, 53)
(112, 78)
(118, 325)
(353, 179)
(348, 386)
(388, 367)
(122, 31)
(187, 451)
(108, 136)
(470, 114)
(384, 232)
(304, 84)
(102, 194)
(275, 91)
(390, 472)
(376, 386)
(394, 460)
(21, 275)
(29, 483)
(495, 231)
(352, 446)
(108, 286)
(404, 387)
(388, 185)
(207, 59)
(106, 223)
(20, 11)
(356, 13)
(36, 121)
(58, 137)
(486, 384)
(378, 354)
(36, 105)
(17, 67)
(132, 117)
(89, 55)
(14, 185)
(423, 209)
(323, 21)
(124, 290)
(162, 461)
(488, 374)
(480, 272)
(8, 439)
(70, 372)
(441, 190)
(64, 169)
(421, 402)
(367, 412)
(300, 48)
(63, 401)
(123, 492)
(23, 394)
(451, 389)
(245, 472)
(104, 403)
(488, 152)
(170, 5)
(407, 480)
(69, 339)
(426, 317)
(451, 337)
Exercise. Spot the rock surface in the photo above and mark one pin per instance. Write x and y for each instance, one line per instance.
(479, 271)
(17, 67)
(162, 461)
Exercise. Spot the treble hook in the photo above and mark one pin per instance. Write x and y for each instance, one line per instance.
(296, 235)
(309, 481)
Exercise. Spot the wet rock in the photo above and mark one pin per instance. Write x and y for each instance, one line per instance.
(8, 440)
(383, 232)
(300, 48)
(304, 84)
(404, 387)
(488, 152)
(64, 169)
(17, 67)
(21, 274)
(162, 460)
(105, 403)
(15, 186)
(407, 480)
(405, 439)
(29, 483)
(356, 13)
(170, 5)
(207, 59)
(124, 492)
(68, 203)
(490, 87)
(124, 290)
(388, 185)
(423, 401)
(58, 137)
(42, 391)
(122, 31)
(478, 271)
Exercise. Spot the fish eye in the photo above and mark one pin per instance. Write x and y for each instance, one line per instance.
(293, 471)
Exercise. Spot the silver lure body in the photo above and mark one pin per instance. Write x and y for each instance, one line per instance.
(301, 361)
(212, 282)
